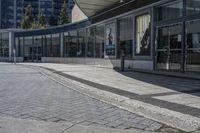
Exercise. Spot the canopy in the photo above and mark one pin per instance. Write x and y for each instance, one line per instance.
(93, 7)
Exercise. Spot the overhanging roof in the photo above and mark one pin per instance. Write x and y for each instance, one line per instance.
(93, 7)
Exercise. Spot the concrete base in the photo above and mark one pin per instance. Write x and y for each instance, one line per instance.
(4, 59)
(110, 63)
(7, 59)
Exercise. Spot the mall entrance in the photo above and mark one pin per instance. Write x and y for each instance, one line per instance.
(32, 49)
(33, 54)
(169, 47)
(193, 46)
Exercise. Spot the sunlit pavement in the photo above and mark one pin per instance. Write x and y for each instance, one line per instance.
(27, 94)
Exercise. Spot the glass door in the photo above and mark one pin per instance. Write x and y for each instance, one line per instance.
(169, 50)
(193, 45)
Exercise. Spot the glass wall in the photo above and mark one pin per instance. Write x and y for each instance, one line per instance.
(143, 35)
(28, 41)
(125, 37)
(169, 47)
(55, 45)
(193, 7)
(100, 41)
(48, 45)
(73, 44)
(90, 41)
(36, 48)
(4, 44)
(193, 45)
(66, 44)
(81, 43)
(19, 43)
(169, 11)
(110, 46)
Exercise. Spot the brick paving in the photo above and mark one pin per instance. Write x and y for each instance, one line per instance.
(27, 94)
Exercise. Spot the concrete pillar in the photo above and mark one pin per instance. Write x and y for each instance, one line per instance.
(11, 45)
(61, 44)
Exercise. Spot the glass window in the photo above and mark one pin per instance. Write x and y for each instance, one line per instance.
(100, 40)
(81, 43)
(37, 48)
(169, 11)
(66, 44)
(125, 37)
(73, 44)
(193, 7)
(90, 41)
(56, 45)
(143, 35)
(28, 41)
(19, 46)
(193, 45)
(4, 44)
(110, 46)
(48, 45)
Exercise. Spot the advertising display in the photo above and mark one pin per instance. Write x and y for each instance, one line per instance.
(110, 40)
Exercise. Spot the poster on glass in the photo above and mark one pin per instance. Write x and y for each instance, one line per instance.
(110, 40)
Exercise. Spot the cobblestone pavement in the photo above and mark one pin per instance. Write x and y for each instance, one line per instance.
(27, 94)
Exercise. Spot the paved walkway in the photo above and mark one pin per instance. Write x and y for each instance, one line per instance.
(174, 90)
(27, 94)
(175, 94)
(15, 125)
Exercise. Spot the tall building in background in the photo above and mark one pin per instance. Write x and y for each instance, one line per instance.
(11, 11)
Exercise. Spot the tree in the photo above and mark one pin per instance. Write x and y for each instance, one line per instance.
(35, 24)
(52, 21)
(64, 17)
(28, 18)
(41, 20)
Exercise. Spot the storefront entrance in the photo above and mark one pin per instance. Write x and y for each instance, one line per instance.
(193, 45)
(32, 49)
(33, 54)
(169, 47)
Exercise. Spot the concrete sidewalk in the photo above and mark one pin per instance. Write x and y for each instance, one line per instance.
(12, 125)
(173, 101)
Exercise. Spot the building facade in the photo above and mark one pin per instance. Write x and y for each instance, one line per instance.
(13, 10)
(153, 35)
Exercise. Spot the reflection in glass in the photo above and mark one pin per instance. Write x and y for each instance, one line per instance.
(193, 7)
(73, 44)
(81, 43)
(28, 41)
(4, 44)
(48, 45)
(169, 11)
(193, 45)
(143, 35)
(66, 44)
(125, 37)
(100, 39)
(169, 50)
(55, 45)
(36, 48)
(90, 41)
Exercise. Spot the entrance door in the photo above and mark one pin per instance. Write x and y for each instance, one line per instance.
(169, 50)
(35, 53)
(193, 45)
